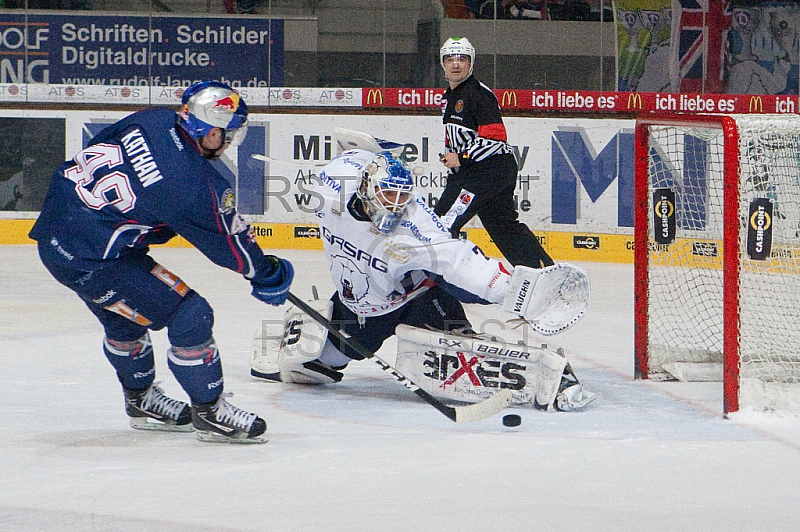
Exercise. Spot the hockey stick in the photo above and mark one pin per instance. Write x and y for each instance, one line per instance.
(347, 139)
(459, 414)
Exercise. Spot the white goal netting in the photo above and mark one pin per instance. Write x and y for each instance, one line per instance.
(688, 217)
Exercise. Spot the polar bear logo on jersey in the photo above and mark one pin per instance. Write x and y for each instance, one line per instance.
(353, 282)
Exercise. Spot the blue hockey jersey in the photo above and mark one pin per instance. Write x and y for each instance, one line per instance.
(141, 181)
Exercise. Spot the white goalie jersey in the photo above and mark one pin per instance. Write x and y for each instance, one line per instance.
(376, 273)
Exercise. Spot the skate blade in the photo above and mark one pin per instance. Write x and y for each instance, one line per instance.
(213, 437)
(146, 423)
(267, 377)
(588, 397)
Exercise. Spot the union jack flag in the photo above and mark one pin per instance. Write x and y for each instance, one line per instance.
(701, 24)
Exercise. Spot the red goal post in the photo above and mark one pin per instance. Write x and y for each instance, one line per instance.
(717, 255)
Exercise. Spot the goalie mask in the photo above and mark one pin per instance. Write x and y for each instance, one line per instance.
(458, 46)
(385, 190)
(211, 104)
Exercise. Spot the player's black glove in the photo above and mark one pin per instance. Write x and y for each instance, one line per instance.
(273, 288)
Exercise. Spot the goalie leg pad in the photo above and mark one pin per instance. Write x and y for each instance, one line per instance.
(467, 368)
(471, 368)
(313, 372)
(551, 370)
(264, 355)
(290, 352)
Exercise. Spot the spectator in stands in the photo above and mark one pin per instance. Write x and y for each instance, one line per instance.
(568, 10)
(522, 9)
(601, 8)
(454, 9)
(244, 7)
(484, 9)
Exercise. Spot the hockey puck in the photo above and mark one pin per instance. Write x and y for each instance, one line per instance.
(512, 420)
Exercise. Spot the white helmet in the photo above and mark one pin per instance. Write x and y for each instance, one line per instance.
(385, 174)
(458, 46)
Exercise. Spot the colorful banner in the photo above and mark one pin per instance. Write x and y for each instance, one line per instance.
(593, 101)
(643, 45)
(698, 35)
(761, 48)
(707, 46)
(131, 50)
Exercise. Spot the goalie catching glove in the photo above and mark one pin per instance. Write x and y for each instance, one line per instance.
(551, 299)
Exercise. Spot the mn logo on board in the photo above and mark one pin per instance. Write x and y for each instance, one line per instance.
(759, 229)
(664, 215)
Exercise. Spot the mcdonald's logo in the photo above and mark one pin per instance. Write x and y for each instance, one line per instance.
(756, 104)
(509, 98)
(375, 97)
(634, 100)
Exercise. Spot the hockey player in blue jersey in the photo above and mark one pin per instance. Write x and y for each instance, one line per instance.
(141, 181)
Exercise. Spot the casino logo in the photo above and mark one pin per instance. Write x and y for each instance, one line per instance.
(306, 232)
(664, 224)
(759, 229)
(586, 242)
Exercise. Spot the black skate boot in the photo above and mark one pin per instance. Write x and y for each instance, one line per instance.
(150, 409)
(222, 422)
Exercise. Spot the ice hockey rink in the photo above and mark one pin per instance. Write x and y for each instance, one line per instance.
(367, 454)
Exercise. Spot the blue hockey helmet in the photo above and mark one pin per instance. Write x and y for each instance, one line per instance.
(386, 189)
(209, 104)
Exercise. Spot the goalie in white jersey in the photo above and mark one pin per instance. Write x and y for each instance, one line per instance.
(394, 263)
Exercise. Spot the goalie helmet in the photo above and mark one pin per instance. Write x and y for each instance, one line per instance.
(385, 190)
(458, 46)
(211, 104)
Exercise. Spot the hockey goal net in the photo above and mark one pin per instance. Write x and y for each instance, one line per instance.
(717, 256)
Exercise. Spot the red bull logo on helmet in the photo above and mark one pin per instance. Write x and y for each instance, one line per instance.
(230, 102)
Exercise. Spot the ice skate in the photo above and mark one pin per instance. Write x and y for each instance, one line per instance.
(150, 409)
(224, 423)
(571, 393)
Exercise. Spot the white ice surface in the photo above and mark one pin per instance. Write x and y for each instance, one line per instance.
(366, 454)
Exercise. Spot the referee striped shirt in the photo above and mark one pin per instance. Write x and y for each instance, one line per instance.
(473, 127)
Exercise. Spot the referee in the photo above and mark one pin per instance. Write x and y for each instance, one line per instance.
(483, 169)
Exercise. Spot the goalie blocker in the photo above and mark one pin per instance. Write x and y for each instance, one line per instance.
(473, 368)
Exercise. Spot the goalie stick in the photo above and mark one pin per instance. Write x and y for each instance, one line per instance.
(459, 414)
(347, 139)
